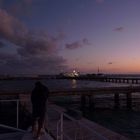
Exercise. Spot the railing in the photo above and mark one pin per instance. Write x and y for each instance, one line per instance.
(62, 126)
(17, 109)
(17, 116)
(65, 127)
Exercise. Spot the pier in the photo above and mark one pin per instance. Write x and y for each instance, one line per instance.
(61, 126)
(87, 95)
(126, 80)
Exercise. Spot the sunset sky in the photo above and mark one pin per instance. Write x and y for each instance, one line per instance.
(53, 36)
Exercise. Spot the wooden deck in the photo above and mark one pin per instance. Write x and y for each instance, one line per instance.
(108, 134)
(82, 128)
(23, 136)
(28, 136)
(11, 136)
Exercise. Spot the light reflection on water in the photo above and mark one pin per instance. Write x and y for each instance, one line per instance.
(74, 83)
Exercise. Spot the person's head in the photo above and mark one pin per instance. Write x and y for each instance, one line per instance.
(38, 83)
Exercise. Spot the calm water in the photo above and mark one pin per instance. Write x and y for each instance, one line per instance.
(53, 84)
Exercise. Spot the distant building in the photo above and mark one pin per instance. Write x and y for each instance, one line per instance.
(74, 73)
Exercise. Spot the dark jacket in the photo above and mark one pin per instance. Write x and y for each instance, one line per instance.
(39, 98)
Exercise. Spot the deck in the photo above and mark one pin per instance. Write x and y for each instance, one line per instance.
(28, 136)
(79, 128)
(12, 136)
(58, 122)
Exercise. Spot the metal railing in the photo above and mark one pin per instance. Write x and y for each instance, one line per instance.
(65, 127)
(17, 115)
(17, 109)
(62, 126)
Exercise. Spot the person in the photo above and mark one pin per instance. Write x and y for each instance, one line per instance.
(39, 98)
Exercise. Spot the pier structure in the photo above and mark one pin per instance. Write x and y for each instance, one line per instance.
(87, 95)
(118, 80)
(60, 126)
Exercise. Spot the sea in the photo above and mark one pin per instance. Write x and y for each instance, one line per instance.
(123, 121)
(54, 84)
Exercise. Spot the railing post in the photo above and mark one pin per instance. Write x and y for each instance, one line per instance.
(57, 138)
(129, 100)
(91, 103)
(116, 101)
(17, 113)
(83, 102)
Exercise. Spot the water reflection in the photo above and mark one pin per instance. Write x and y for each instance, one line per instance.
(74, 83)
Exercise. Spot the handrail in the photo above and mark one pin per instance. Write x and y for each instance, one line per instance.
(62, 115)
(78, 122)
(8, 100)
(17, 115)
(12, 128)
(17, 109)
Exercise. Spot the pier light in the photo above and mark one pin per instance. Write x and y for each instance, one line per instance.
(75, 73)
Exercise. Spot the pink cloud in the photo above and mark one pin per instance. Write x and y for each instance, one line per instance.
(35, 52)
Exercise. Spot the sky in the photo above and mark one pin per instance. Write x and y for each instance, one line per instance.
(54, 36)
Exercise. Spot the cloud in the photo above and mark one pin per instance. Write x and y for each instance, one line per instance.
(119, 29)
(110, 63)
(13, 64)
(77, 44)
(86, 41)
(74, 45)
(28, 42)
(11, 28)
(35, 52)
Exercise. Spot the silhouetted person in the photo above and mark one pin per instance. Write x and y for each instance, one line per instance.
(39, 98)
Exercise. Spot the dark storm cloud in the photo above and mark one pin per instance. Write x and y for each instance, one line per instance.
(29, 42)
(37, 46)
(13, 64)
(77, 44)
(119, 29)
(35, 52)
